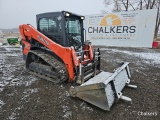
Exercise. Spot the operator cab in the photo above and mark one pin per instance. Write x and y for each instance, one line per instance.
(63, 27)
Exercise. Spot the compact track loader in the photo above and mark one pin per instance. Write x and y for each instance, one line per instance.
(56, 51)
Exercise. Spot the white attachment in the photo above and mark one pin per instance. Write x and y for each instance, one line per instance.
(131, 86)
(125, 98)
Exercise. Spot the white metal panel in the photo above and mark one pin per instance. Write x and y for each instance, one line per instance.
(128, 29)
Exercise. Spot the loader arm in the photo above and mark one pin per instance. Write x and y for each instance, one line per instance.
(67, 54)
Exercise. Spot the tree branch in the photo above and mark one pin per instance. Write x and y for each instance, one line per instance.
(153, 3)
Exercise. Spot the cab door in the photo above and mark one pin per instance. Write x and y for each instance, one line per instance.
(50, 24)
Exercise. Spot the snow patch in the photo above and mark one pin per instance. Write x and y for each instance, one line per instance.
(68, 115)
(12, 117)
(16, 81)
(151, 57)
(28, 92)
(67, 94)
(68, 112)
(10, 55)
(10, 51)
(64, 95)
(84, 106)
(11, 48)
(1, 103)
(61, 87)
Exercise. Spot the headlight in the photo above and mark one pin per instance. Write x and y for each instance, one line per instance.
(67, 14)
(82, 18)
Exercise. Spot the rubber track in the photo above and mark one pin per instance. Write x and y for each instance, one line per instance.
(59, 67)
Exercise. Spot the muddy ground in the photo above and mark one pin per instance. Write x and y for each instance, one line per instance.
(26, 97)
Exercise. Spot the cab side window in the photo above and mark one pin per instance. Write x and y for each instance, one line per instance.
(50, 25)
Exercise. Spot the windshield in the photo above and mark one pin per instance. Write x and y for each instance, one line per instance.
(73, 32)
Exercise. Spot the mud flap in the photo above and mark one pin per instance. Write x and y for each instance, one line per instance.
(105, 88)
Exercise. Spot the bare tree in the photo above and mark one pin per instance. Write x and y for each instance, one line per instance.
(122, 5)
(157, 19)
(117, 6)
(126, 4)
(151, 4)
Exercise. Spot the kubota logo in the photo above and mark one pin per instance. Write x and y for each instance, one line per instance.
(43, 40)
(110, 20)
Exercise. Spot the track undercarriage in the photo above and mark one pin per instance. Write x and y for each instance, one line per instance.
(46, 66)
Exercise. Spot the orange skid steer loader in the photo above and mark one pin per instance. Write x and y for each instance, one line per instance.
(56, 51)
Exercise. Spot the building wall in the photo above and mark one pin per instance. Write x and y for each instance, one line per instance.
(127, 29)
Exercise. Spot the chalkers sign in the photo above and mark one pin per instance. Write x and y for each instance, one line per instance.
(130, 29)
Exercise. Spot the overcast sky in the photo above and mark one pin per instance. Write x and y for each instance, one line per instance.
(16, 12)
